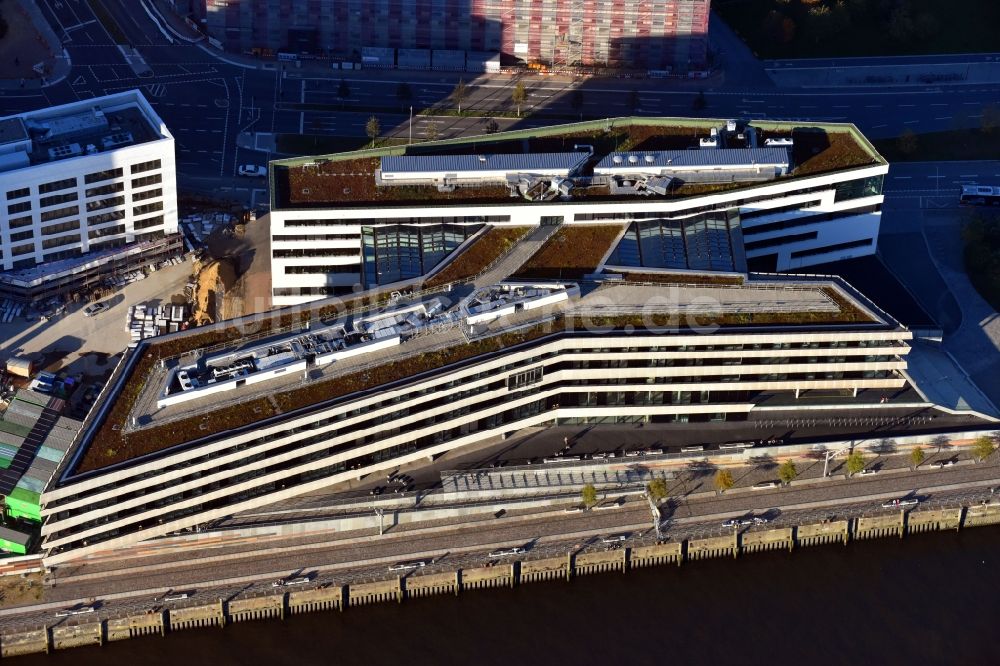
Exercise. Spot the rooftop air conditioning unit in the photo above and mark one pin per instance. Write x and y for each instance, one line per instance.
(632, 159)
(617, 159)
(730, 125)
(650, 159)
(482, 158)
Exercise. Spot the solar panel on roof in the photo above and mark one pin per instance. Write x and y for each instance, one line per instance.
(486, 162)
(665, 159)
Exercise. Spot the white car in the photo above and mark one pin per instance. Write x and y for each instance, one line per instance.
(252, 170)
(94, 308)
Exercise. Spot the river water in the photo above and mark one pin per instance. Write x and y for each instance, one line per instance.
(928, 599)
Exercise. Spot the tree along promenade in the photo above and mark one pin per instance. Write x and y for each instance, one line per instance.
(78, 630)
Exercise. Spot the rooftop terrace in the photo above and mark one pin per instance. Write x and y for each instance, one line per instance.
(367, 350)
(445, 172)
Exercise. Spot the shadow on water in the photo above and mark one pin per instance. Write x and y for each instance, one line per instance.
(924, 600)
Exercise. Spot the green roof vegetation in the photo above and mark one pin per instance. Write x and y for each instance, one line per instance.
(348, 179)
(113, 445)
(483, 251)
(572, 252)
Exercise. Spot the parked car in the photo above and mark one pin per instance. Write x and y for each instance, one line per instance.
(94, 308)
(252, 170)
(892, 504)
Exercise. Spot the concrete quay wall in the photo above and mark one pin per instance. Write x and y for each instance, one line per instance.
(61, 635)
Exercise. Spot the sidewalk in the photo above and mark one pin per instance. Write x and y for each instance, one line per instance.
(59, 65)
(176, 24)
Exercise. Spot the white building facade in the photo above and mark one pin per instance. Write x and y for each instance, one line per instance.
(569, 378)
(82, 177)
(786, 224)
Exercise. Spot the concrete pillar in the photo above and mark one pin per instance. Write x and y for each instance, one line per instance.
(624, 560)
(736, 543)
(791, 538)
(163, 624)
(569, 566)
(902, 523)
(222, 613)
(961, 517)
(48, 639)
(284, 605)
(399, 589)
(515, 573)
(458, 582)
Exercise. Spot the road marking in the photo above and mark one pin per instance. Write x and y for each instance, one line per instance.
(944, 118)
(902, 177)
(903, 106)
(910, 122)
(878, 126)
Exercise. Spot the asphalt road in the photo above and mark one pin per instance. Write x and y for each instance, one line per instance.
(133, 587)
(206, 102)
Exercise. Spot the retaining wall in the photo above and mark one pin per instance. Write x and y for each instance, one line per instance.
(875, 527)
(370, 593)
(701, 549)
(484, 577)
(552, 568)
(818, 534)
(338, 597)
(664, 553)
(776, 539)
(425, 586)
(196, 616)
(308, 601)
(599, 562)
(929, 521)
(120, 628)
(78, 635)
(258, 608)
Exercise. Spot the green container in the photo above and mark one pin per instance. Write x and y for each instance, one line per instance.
(22, 503)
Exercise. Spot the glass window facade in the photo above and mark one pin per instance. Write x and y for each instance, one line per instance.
(700, 242)
(403, 252)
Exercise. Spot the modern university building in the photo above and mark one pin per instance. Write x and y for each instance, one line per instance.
(590, 275)
(696, 194)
